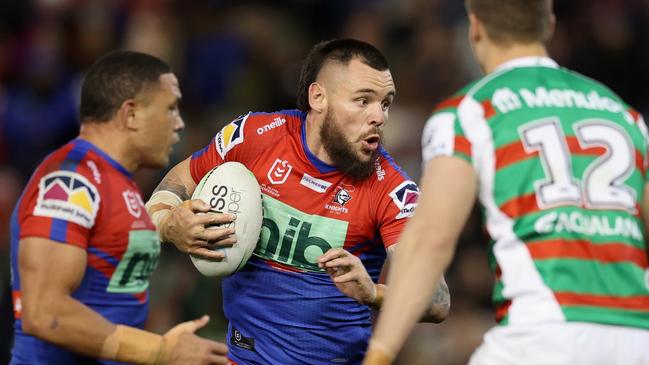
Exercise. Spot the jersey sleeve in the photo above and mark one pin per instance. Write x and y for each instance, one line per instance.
(443, 136)
(397, 200)
(61, 206)
(225, 146)
(642, 126)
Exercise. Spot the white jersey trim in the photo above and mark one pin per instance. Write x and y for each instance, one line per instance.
(528, 62)
(438, 138)
(532, 299)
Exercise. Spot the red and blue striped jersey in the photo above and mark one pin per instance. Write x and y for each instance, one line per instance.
(82, 197)
(282, 308)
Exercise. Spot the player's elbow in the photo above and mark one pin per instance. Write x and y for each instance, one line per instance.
(440, 305)
(35, 317)
(437, 312)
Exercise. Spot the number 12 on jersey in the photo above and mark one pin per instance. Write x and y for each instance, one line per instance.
(602, 184)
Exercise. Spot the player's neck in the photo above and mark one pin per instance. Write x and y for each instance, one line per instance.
(110, 140)
(313, 140)
(497, 55)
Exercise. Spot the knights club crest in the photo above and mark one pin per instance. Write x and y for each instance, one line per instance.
(343, 195)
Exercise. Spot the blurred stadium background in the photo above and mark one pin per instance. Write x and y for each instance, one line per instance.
(236, 56)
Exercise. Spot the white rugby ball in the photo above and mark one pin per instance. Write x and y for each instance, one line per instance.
(231, 188)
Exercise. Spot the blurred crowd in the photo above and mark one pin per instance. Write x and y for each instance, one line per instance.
(235, 56)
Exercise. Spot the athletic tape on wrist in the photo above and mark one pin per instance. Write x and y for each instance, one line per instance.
(379, 294)
(378, 354)
(132, 345)
(162, 197)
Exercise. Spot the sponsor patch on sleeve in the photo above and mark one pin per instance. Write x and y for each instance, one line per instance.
(438, 136)
(68, 196)
(230, 136)
(405, 198)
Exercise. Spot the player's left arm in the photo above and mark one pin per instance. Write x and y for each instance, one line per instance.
(351, 277)
(440, 304)
(447, 196)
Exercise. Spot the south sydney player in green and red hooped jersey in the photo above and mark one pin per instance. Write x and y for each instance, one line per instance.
(80, 196)
(282, 308)
(562, 163)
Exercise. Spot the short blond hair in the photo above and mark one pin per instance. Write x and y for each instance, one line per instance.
(514, 21)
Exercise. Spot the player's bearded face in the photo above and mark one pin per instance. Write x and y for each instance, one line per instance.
(348, 156)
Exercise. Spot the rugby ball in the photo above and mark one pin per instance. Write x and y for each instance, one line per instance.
(231, 188)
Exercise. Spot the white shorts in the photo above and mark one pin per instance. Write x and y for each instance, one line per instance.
(572, 343)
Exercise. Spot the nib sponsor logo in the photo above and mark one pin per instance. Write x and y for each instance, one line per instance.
(405, 198)
(68, 196)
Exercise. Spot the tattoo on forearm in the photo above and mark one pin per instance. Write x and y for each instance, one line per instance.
(440, 305)
(442, 296)
(175, 187)
(55, 323)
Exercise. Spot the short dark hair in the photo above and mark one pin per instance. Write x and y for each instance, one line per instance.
(114, 78)
(514, 21)
(341, 50)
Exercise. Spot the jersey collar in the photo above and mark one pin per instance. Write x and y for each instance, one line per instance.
(528, 62)
(322, 167)
(88, 145)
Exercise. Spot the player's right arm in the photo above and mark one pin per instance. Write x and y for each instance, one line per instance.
(50, 272)
(174, 214)
(644, 203)
(645, 215)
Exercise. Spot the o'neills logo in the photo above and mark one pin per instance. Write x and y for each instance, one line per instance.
(277, 122)
(380, 172)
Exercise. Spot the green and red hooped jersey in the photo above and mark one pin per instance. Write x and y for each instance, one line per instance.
(282, 308)
(561, 164)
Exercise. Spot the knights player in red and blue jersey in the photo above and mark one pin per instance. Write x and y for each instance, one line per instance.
(82, 244)
(334, 203)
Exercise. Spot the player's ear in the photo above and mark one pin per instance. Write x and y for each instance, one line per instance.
(475, 29)
(552, 23)
(317, 97)
(126, 114)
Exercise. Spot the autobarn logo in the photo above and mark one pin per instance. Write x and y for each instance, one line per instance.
(230, 136)
(67, 196)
